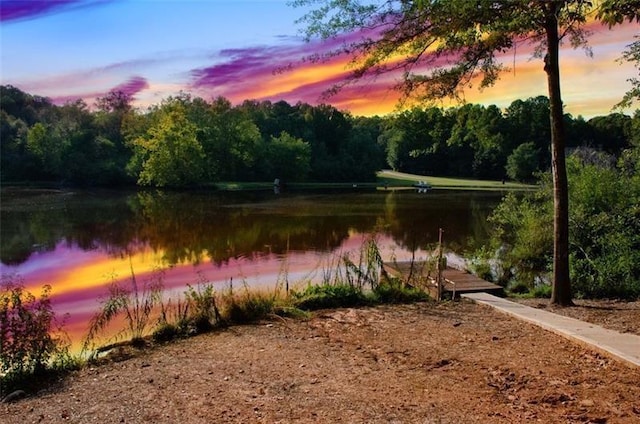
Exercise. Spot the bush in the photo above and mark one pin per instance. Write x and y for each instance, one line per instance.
(326, 296)
(395, 292)
(205, 314)
(604, 233)
(542, 291)
(250, 307)
(29, 346)
(173, 322)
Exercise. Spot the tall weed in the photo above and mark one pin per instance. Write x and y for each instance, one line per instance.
(173, 321)
(134, 304)
(205, 313)
(250, 306)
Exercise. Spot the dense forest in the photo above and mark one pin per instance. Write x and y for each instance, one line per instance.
(191, 142)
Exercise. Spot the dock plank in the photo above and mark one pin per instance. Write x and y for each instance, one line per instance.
(456, 281)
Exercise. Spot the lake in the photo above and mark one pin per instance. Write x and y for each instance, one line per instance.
(81, 241)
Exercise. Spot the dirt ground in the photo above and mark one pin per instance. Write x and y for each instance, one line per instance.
(422, 363)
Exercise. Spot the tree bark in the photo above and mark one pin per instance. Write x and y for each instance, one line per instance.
(561, 284)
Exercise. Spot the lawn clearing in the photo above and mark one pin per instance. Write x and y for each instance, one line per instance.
(400, 179)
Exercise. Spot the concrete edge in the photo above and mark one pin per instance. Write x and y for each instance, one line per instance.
(570, 328)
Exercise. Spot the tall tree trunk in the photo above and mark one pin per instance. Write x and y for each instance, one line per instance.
(561, 285)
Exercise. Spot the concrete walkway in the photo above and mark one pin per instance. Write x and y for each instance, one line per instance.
(623, 346)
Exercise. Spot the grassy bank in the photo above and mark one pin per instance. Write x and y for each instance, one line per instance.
(137, 314)
(387, 179)
(394, 179)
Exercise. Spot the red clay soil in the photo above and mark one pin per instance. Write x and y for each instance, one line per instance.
(422, 363)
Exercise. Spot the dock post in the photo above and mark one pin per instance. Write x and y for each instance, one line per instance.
(439, 265)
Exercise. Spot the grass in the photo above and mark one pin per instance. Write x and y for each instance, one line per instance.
(400, 179)
(248, 306)
(388, 179)
(347, 282)
(147, 318)
(136, 302)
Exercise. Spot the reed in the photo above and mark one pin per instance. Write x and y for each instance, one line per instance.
(135, 304)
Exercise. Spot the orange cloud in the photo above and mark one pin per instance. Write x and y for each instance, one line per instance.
(591, 85)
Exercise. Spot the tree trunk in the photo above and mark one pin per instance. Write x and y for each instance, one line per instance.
(561, 285)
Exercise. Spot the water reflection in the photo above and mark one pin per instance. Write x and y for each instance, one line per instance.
(188, 227)
(80, 241)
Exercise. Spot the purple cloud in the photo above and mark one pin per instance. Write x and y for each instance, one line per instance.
(131, 87)
(13, 10)
(247, 66)
(242, 64)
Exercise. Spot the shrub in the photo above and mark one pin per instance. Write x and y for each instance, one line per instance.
(173, 322)
(31, 340)
(604, 233)
(252, 306)
(329, 296)
(205, 314)
(542, 290)
(394, 291)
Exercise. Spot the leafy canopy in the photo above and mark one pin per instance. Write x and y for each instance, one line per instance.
(440, 46)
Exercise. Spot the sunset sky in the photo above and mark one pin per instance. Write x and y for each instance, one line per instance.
(69, 49)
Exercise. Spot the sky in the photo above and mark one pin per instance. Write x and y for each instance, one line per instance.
(247, 49)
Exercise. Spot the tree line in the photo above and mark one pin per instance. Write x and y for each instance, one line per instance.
(187, 141)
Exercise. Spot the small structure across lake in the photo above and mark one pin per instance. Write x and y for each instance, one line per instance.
(454, 281)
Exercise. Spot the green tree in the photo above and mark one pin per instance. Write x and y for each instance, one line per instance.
(478, 134)
(288, 158)
(329, 131)
(523, 162)
(457, 41)
(415, 142)
(18, 112)
(230, 140)
(528, 121)
(16, 161)
(611, 133)
(85, 153)
(48, 148)
(363, 154)
(169, 153)
(113, 111)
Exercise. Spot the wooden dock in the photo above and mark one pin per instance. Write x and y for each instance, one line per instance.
(455, 281)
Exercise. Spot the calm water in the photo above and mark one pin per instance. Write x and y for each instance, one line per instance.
(80, 241)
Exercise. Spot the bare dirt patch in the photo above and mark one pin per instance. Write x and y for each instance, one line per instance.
(422, 363)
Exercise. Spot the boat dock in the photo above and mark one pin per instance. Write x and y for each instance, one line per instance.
(454, 281)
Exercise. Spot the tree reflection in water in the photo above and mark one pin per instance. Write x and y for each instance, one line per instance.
(80, 241)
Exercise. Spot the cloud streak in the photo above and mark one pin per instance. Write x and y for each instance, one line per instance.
(295, 71)
(131, 87)
(17, 10)
(251, 73)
